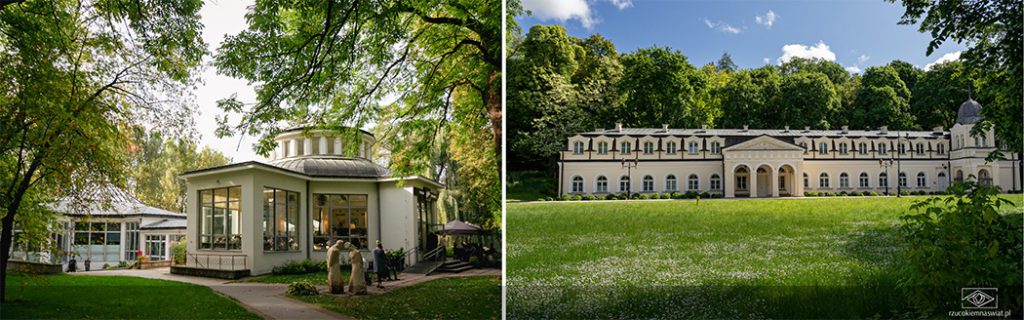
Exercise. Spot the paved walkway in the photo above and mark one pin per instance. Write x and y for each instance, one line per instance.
(268, 299)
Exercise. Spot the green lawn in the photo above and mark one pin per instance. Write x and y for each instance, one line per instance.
(113, 297)
(530, 186)
(782, 258)
(446, 298)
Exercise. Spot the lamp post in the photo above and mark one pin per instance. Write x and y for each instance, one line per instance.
(629, 165)
(886, 163)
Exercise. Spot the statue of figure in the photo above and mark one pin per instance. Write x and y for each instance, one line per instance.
(334, 268)
(356, 282)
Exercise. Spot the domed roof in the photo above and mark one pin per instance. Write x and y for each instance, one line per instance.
(332, 166)
(969, 113)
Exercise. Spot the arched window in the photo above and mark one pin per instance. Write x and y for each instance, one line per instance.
(577, 147)
(648, 183)
(626, 148)
(883, 179)
(976, 144)
(741, 180)
(602, 184)
(577, 184)
(903, 179)
(716, 148)
(624, 184)
(842, 148)
(602, 147)
(844, 180)
(920, 148)
(648, 147)
(921, 179)
(823, 180)
(862, 148)
(693, 147)
(692, 183)
(984, 141)
(716, 182)
(671, 148)
(942, 148)
(959, 176)
(823, 148)
(984, 178)
(670, 183)
(807, 181)
(882, 149)
(864, 180)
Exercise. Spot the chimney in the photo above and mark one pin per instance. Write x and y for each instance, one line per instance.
(745, 127)
(599, 130)
(938, 129)
(807, 128)
(846, 129)
(704, 126)
(664, 127)
(618, 126)
(883, 129)
(787, 129)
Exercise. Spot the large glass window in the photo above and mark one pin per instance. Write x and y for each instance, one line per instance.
(670, 183)
(823, 180)
(156, 247)
(693, 147)
(98, 241)
(844, 180)
(716, 182)
(341, 217)
(671, 148)
(624, 184)
(602, 184)
(922, 179)
(864, 179)
(883, 179)
(577, 184)
(692, 183)
(625, 148)
(648, 184)
(220, 211)
(577, 147)
(131, 241)
(280, 220)
(716, 148)
(862, 148)
(903, 179)
(602, 147)
(648, 147)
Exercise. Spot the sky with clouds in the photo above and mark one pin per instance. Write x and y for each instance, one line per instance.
(854, 33)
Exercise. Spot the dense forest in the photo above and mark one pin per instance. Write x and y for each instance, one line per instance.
(559, 85)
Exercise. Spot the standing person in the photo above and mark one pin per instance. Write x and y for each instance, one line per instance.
(379, 264)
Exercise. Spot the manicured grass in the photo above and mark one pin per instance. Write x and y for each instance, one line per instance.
(446, 298)
(315, 278)
(113, 297)
(781, 258)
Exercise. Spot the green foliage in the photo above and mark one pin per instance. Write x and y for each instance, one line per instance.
(963, 240)
(643, 197)
(179, 251)
(447, 298)
(159, 161)
(938, 93)
(302, 288)
(300, 267)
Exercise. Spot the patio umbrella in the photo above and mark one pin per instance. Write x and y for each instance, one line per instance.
(459, 228)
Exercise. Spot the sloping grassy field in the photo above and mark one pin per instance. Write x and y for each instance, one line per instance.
(778, 258)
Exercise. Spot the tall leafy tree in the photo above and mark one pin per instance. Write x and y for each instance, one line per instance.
(660, 86)
(994, 31)
(834, 71)
(333, 63)
(808, 99)
(157, 161)
(76, 74)
(908, 73)
(939, 93)
(750, 97)
(882, 100)
(725, 63)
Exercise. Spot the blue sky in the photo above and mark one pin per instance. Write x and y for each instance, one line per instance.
(855, 34)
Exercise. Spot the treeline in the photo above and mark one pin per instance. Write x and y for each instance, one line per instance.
(559, 85)
(157, 160)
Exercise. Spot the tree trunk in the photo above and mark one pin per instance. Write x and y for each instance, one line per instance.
(494, 109)
(7, 232)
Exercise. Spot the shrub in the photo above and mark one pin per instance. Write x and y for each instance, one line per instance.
(904, 193)
(636, 195)
(178, 251)
(705, 195)
(874, 194)
(962, 241)
(643, 196)
(690, 195)
(475, 261)
(542, 199)
(565, 197)
(623, 196)
(609, 196)
(842, 193)
(666, 196)
(577, 197)
(106, 266)
(300, 267)
(551, 199)
(677, 195)
(590, 198)
(302, 288)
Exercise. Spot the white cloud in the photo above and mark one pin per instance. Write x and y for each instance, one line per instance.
(622, 4)
(767, 20)
(766, 60)
(853, 69)
(952, 56)
(565, 10)
(818, 51)
(721, 26)
(562, 10)
(862, 58)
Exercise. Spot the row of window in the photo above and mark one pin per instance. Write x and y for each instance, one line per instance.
(862, 148)
(335, 217)
(671, 183)
(864, 180)
(648, 148)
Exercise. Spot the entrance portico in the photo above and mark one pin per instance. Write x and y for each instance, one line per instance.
(763, 167)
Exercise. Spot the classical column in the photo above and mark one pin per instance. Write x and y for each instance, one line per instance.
(729, 182)
(337, 146)
(323, 145)
(774, 176)
(798, 181)
(293, 147)
(282, 147)
(307, 146)
(752, 182)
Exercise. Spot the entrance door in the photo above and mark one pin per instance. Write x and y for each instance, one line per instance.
(764, 183)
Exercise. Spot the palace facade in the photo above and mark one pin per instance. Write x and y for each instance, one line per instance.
(784, 162)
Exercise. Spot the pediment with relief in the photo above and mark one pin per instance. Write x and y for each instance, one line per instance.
(764, 143)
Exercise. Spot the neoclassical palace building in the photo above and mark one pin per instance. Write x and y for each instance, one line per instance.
(783, 162)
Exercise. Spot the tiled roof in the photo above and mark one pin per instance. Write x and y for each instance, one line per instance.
(332, 166)
(758, 132)
(117, 207)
